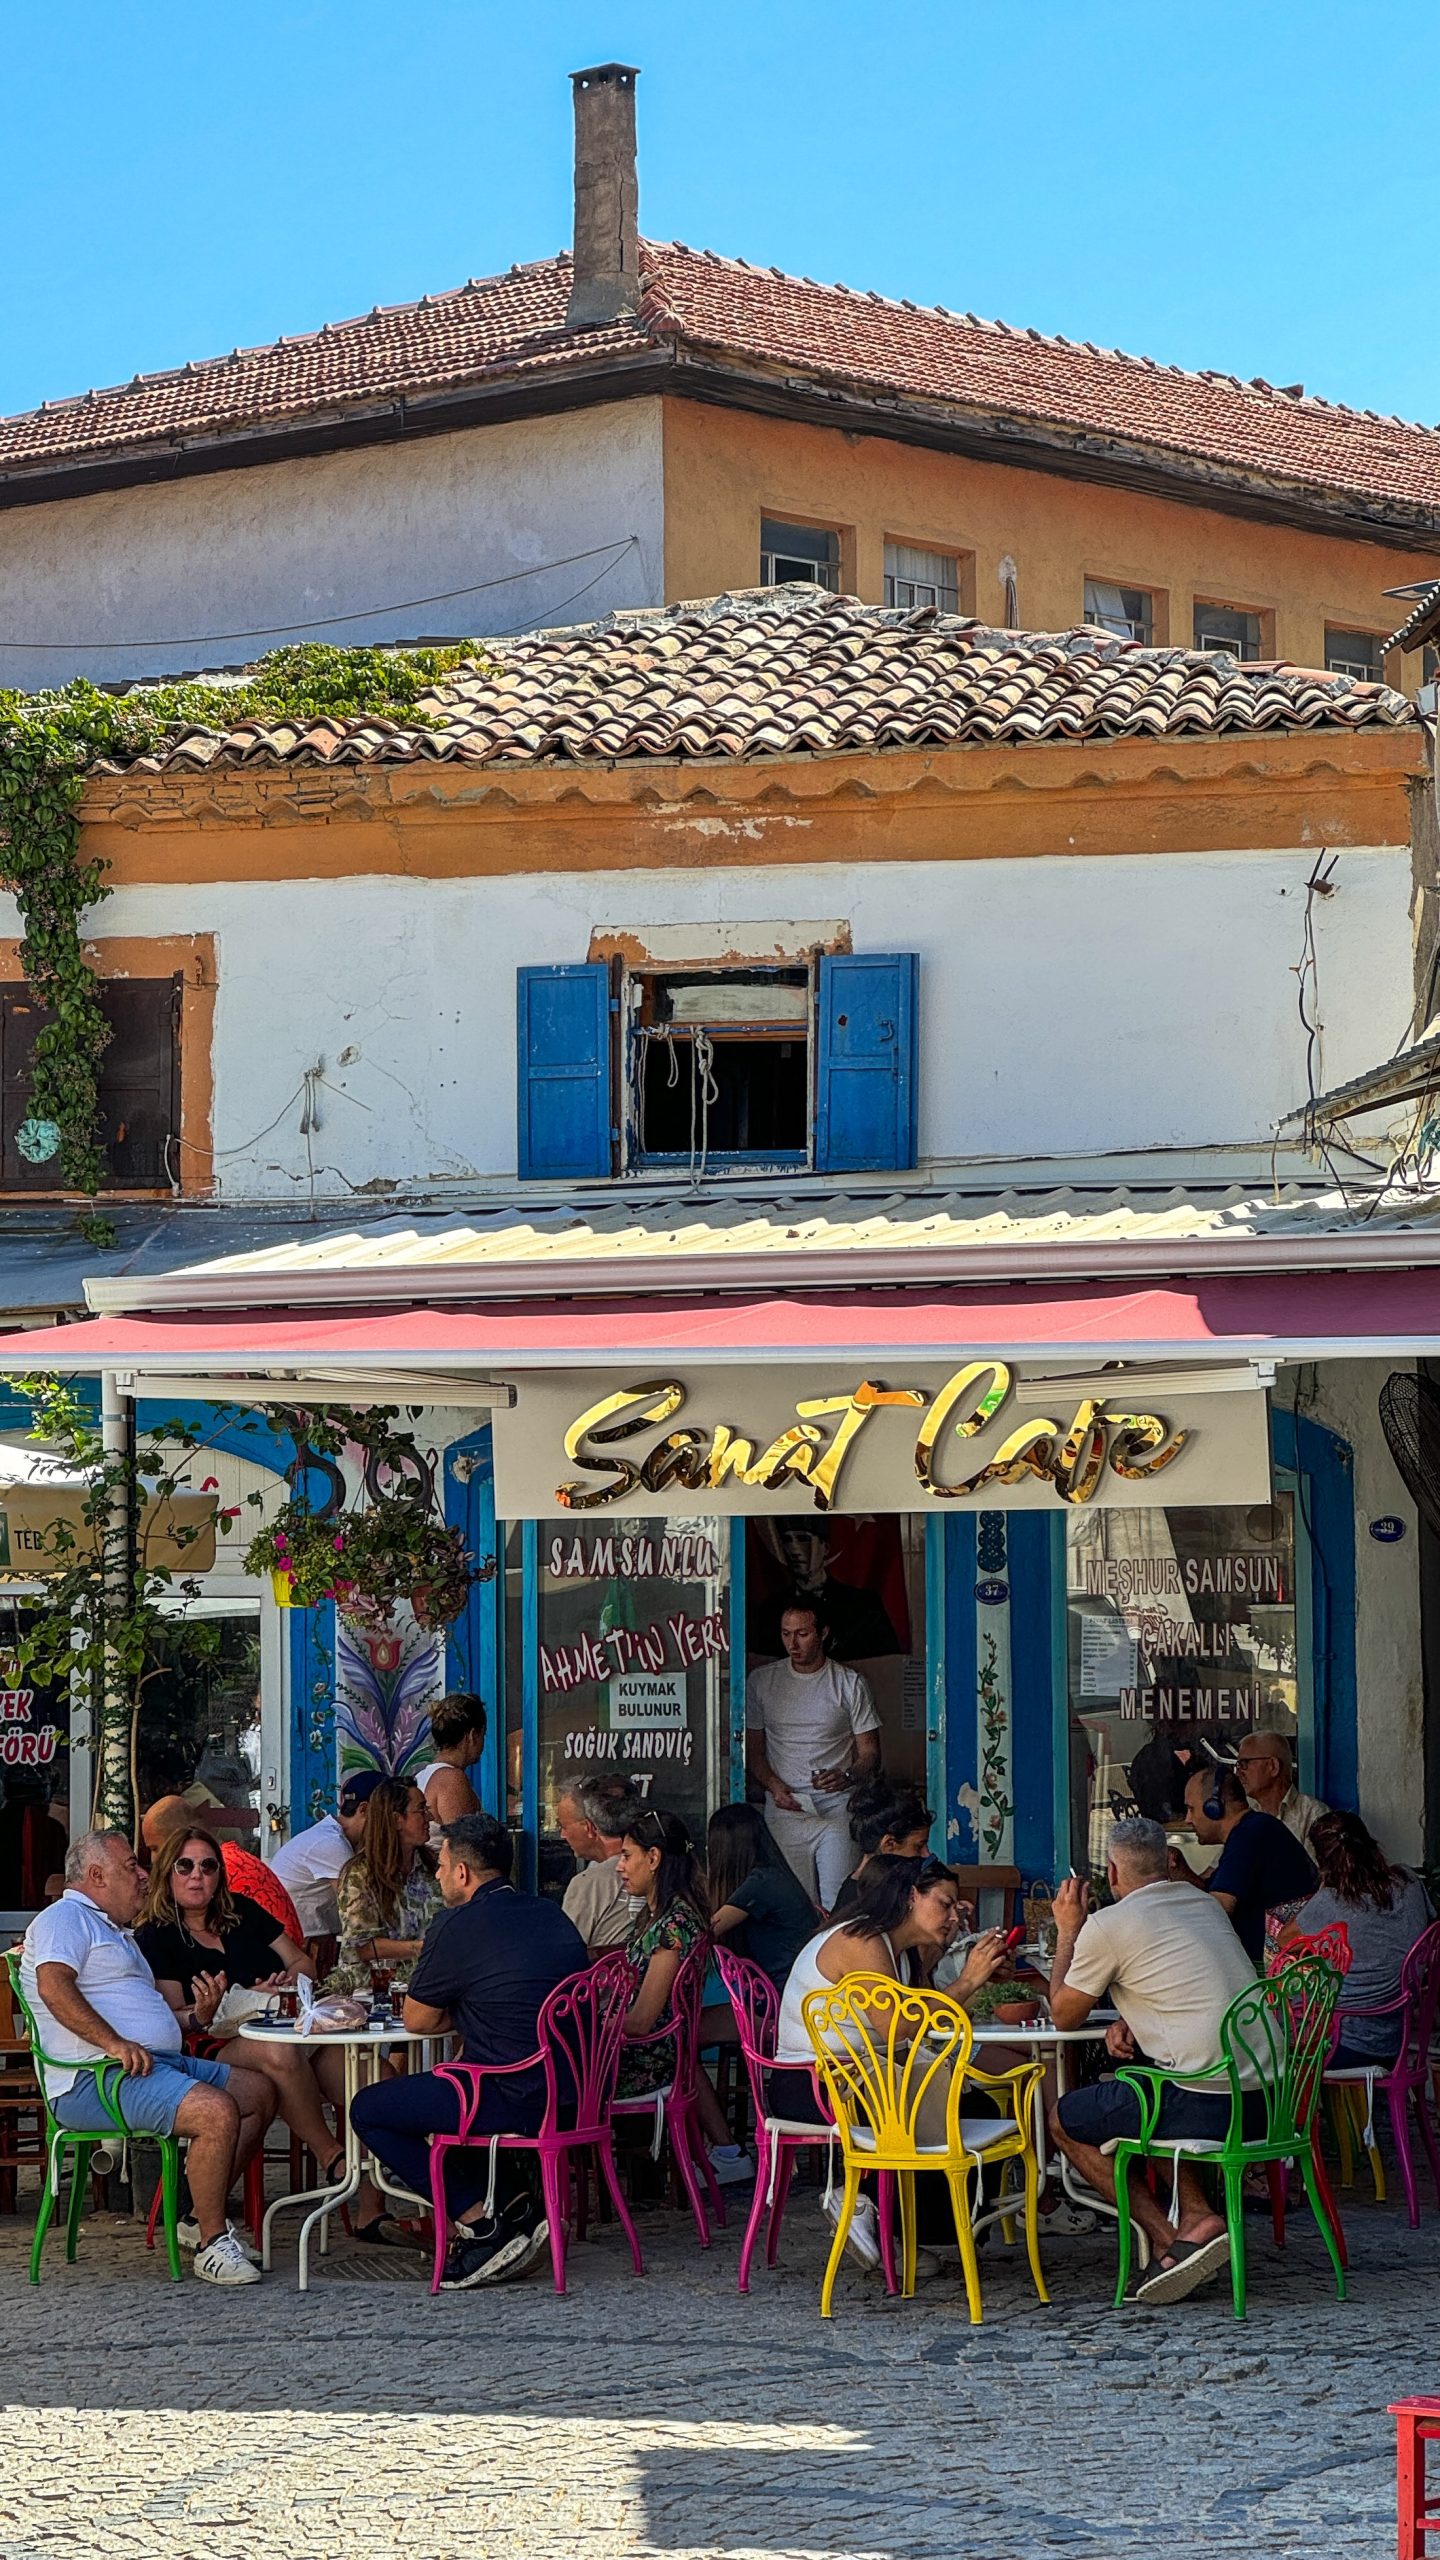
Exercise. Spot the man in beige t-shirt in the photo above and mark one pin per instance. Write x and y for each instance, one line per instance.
(594, 1815)
(1168, 1959)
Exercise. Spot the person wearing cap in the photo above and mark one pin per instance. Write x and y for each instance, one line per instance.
(309, 1864)
(244, 1872)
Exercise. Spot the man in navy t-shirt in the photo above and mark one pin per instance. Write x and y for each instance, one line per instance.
(1261, 1864)
(490, 1960)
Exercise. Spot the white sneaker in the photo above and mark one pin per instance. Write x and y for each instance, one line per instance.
(225, 2262)
(244, 2244)
(863, 2237)
(187, 2231)
(732, 2166)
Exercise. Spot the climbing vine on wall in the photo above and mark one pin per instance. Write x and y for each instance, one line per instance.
(49, 743)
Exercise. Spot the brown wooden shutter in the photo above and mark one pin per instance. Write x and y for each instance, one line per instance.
(139, 1084)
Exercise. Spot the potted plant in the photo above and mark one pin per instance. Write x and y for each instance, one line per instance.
(372, 1555)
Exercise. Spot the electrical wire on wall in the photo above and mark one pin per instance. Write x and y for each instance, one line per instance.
(1306, 971)
(366, 613)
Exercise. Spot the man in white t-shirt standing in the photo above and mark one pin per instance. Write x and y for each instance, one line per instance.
(813, 1732)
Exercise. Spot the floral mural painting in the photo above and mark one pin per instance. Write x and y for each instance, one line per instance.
(385, 1685)
(992, 1597)
(996, 1805)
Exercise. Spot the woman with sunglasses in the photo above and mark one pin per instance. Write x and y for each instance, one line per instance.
(200, 1940)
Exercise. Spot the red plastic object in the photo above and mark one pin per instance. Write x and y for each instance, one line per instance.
(1417, 2423)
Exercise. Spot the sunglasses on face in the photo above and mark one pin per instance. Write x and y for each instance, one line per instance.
(197, 1866)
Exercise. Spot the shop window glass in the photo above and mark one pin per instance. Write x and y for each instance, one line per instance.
(1182, 1634)
(200, 1732)
(631, 1638)
(34, 1774)
(865, 1573)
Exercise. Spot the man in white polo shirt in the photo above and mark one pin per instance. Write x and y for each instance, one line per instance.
(813, 1732)
(92, 1996)
(309, 1863)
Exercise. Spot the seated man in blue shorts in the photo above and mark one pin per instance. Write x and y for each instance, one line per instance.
(1168, 1960)
(93, 1995)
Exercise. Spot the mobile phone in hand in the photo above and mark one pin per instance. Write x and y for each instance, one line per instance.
(1015, 1936)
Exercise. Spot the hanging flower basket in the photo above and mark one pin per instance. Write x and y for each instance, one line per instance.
(368, 1562)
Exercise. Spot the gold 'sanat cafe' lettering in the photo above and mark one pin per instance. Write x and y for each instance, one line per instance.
(1134, 1446)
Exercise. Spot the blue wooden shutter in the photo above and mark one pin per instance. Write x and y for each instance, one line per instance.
(865, 1097)
(563, 1022)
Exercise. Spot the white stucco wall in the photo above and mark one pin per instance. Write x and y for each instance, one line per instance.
(1343, 1395)
(292, 542)
(1068, 1006)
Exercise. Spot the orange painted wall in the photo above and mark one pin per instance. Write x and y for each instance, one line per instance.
(724, 469)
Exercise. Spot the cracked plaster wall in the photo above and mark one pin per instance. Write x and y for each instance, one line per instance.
(1070, 1006)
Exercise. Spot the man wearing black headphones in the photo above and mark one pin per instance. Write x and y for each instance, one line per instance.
(1261, 1864)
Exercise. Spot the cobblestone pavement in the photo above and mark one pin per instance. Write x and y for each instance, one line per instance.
(671, 2420)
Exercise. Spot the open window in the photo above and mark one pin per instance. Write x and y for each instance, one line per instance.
(719, 1069)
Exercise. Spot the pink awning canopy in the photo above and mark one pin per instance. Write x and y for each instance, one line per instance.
(1277, 1315)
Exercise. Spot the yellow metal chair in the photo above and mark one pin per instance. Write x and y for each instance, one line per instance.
(886, 2055)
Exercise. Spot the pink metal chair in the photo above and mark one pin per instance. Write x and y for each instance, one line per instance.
(580, 2028)
(756, 2004)
(1332, 1945)
(1406, 2083)
(674, 2107)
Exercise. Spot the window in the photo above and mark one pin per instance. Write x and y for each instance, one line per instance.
(718, 1068)
(921, 577)
(1224, 626)
(1355, 653)
(1183, 1632)
(1127, 611)
(803, 551)
(139, 1084)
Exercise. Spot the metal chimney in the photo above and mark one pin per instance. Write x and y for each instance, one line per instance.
(606, 282)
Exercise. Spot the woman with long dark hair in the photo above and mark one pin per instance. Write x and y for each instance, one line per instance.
(387, 1894)
(756, 1900)
(657, 1865)
(904, 1904)
(201, 1941)
(1385, 1909)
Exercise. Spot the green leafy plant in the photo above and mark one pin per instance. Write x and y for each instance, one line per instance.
(49, 744)
(100, 1626)
(373, 1556)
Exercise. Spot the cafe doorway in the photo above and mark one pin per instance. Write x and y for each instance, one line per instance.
(865, 1571)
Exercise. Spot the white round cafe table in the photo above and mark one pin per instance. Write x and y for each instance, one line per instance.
(1043, 2039)
(363, 2048)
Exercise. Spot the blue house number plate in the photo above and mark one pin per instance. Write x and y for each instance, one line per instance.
(992, 1595)
(1388, 1529)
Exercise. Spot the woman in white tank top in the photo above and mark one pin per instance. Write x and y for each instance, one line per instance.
(903, 1903)
(457, 1738)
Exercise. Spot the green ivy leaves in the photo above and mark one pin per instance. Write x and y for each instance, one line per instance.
(49, 743)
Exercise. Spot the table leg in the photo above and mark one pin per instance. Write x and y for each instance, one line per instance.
(349, 2185)
(375, 2169)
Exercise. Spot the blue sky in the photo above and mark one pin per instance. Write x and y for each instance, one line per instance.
(1226, 184)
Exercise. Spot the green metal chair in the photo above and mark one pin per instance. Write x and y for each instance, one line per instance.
(1275, 2041)
(59, 2139)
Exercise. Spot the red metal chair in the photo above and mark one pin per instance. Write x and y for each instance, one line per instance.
(1417, 2424)
(1332, 1945)
(674, 2107)
(1406, 2083)
(756, 2004)
(580, 2029)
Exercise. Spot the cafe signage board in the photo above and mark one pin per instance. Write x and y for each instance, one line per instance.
(43, 1532)
(920, 1436)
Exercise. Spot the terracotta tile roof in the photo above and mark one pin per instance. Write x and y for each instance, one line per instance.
(793, 671)
(697, 305)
